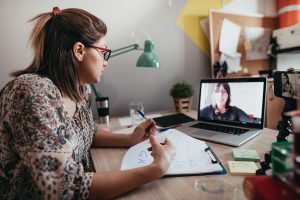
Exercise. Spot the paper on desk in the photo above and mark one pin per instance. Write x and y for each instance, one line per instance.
(128, 131)
(229, 38)
(190, 158)
(126, 121)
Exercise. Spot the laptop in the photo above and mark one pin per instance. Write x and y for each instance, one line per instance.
(230, 111)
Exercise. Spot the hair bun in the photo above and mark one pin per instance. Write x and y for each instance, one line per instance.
(56, 11)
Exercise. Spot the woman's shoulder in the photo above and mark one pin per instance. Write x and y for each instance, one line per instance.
(32, 79)
(236, 109)
(207, 108)
(32, 84)
(232, 108)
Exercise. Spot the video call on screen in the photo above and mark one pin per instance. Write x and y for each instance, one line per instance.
(290, 85)
(247, 96)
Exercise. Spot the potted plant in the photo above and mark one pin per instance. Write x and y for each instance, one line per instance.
(182, 93)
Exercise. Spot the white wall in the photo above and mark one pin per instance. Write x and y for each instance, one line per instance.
(286, 61)
(122, 81)
(265, 7)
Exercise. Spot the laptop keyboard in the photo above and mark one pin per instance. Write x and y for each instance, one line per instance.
(218, 128)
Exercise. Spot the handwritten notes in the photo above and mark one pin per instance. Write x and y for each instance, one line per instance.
(191, 157)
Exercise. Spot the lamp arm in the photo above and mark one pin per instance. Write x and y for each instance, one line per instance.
(97, 94)
(122, 50)
(115, 53)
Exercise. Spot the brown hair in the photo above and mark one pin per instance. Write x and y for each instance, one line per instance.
(52, 39)
(227, 88)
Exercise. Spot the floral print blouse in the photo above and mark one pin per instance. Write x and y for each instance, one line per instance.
(42, 148)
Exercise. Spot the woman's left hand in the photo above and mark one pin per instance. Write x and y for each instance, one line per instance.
(143, 131)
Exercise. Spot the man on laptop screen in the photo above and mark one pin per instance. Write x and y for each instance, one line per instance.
(230, 111)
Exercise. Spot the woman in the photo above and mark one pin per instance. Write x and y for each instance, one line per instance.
(47, 127)
(287, 88)
(220, 108)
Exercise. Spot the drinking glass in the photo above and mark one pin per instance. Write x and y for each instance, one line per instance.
(134, 107)
(215, 189)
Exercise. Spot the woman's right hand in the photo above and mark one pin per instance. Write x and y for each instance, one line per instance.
(163, 154)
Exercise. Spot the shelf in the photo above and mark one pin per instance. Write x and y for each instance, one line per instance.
(292, 49)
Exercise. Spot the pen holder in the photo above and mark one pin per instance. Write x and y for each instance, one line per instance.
(103, 109)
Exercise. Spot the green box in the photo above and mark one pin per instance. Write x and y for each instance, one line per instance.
(281, 157)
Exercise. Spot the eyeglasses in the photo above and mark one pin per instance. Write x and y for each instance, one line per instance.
(221, 91)
(104, 51)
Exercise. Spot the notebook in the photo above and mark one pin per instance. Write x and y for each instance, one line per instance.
(242, 168)
(245, 155)
(243, 116)
(193, 156)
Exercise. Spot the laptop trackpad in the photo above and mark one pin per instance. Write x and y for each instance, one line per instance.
(204, 133)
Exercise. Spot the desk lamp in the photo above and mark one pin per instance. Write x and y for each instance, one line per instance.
(147, 59)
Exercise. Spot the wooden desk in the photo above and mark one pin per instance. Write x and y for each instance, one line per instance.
(107, 159)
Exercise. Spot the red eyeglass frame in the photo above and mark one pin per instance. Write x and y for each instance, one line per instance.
(105, 52)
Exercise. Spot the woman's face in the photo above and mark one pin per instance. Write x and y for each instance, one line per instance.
(221, 96)
(92, 65)
(284, 79)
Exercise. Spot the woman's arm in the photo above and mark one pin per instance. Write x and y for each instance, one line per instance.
(107, 185)
(44, 142)
(239, 114)
(104, 138)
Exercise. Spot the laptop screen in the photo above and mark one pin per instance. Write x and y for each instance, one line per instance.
(237, 101)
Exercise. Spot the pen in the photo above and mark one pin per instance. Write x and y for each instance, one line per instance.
(142, 114)
(212, 157)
